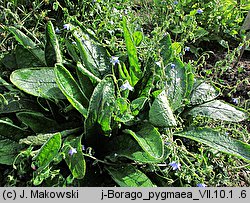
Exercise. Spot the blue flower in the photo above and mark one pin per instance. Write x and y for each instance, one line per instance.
(127, 86)
(72, 151)
(83, 147)
(172, 65)
(175, 2)
(114, 60)
(201, 185)
(57, 30)
(187, 49)
(235, 100)
(199, 11)
(175, 165)
(66, 26)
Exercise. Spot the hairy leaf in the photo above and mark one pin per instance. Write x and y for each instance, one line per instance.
(101, 106)
(52, 49)
(160, 113)
(39, 82)
(9, 149)
(48, 151)
(14, 102)
(202, 93)
(71, 89)
(38, 122)
(176, 84)
(219, 110)
(219, 141)
(150, 140)
(94, 56)
(134, 70)
(129, 176)
(166, 51)
(126, 146)
(27, 43)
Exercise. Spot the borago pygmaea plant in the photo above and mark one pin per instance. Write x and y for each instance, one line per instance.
(113, 112)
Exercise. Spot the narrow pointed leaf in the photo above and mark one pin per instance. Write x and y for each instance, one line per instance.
(38, 82)
(166, 51)
(176, 84)
(135, 70)
(94, 56)
(129, 176)
(27, 43)
(71, 89)
(218, 141)
(52, 49)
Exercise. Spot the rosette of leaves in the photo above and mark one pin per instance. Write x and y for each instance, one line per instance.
(119, 128)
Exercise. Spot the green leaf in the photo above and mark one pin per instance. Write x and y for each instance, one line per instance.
(39, 82)
(72, 50)
(166, 50)
(71, 89)
(123, 112)
(84, 71)
(14, 102)
(219, 141)
(190, 80)
(9, 149)
(123, 73)
(137, 105)
(202, 93)
(75, 162)
(219, 110)
(27, 43)
(126, 146)
(34, 140)
(137, 37)
(40, 139)
(52, 49)
(150, 140)
(48, 151)
(129, 176)
(177, 48)
(94, 56)
(160, 113)
(101, 106)
(134, 69)
(24, 58)
(176, 84)
(9, 146)
(11, 131)
(37, 122)
(86, 85)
